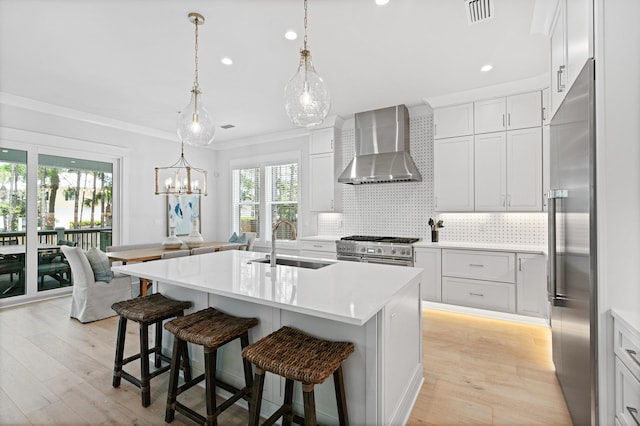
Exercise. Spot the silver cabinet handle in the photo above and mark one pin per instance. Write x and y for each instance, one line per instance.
(633, 412)
(633, 355)
(476, 265)
(509, 119)
(317, 246)
(520, 264)
(560, 85)
(503, 123)
(476, 294)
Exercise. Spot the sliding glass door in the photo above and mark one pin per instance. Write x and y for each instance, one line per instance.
(73, 206)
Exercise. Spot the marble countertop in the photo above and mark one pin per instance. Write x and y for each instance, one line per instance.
(349, 292)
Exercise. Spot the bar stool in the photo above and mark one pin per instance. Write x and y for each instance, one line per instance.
(297, 356)
(146, 310)
(211, 329)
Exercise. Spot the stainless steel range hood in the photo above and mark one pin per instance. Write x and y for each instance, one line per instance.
(382, 148)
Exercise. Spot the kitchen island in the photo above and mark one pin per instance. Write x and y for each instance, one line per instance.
(377, 307)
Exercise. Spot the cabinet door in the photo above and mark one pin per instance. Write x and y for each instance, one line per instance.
(489, 116)
(321, 141)
(546, 163)
(496, 296)
(531, 283)
(558, 56)
(321, 182)
(579, 19)
(524, 111)
(453, 174)
(430, 260)
(524, 170)
(453, 121)
(490, 152)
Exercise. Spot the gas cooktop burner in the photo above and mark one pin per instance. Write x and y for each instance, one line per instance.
(393, 240)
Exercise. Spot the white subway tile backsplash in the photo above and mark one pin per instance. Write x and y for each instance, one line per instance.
(403, 209)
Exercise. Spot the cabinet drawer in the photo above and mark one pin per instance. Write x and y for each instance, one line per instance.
(481, 265)
(627, 396)
(479, 294)
(318, 254)
(626, 346)
(327, 246)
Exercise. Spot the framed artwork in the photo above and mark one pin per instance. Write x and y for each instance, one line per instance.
(181, 210)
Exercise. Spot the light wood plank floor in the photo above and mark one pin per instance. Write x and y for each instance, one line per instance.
(56, 371)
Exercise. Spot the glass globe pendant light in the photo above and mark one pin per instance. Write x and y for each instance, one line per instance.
(195, 125)
(307, 98)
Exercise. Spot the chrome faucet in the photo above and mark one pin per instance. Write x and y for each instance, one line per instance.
(273, 238)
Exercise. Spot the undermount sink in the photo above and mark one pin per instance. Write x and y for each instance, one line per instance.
(298, 263)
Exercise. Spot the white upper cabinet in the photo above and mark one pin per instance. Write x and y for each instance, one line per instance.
(324, 190)
(524, 170)
(453, 121)
(453, 174)
(571, 45)
(490, 171)
(510, 113)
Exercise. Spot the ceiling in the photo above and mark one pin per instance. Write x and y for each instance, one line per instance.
(132, 60)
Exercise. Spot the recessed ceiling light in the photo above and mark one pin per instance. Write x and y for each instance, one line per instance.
(381, 2)
(290, 35)
(486, 68)
(226, 60)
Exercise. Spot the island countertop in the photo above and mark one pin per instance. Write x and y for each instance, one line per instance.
(348, 292)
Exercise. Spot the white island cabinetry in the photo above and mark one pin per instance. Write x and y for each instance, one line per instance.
(377, 307)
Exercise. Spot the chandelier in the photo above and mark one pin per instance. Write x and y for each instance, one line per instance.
(181, 178)
(307, 98)
(195, 125)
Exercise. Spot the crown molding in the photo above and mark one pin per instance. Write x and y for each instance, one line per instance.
(85, 117)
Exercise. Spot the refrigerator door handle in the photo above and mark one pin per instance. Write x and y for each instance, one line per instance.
(552, 196)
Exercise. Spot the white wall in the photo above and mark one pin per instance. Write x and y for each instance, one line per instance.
(618, 174)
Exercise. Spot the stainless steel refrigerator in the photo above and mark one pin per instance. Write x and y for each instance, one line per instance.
(572, 248)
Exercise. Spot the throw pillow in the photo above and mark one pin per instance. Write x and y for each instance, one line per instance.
(242, 239)
(100, 265)
(233, 238)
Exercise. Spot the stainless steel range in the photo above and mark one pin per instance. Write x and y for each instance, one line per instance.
(384, 250)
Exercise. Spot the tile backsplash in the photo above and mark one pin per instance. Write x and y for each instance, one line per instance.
(403, 209)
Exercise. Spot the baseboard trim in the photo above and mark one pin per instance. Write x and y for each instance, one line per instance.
(503, 316)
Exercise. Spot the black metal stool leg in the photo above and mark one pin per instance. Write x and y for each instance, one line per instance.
(172, 392)
(341, 398)
(309, 404)
(117, 368)
(158, 344)
(288, 403)
(210, 382)
(256, 397)
(145, 385)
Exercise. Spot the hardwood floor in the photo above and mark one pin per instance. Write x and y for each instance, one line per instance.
(55, 370)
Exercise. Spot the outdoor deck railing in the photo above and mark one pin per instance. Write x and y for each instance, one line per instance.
(85, 237)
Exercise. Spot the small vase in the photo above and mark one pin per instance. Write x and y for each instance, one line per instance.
(172, 242)
(434, 236)
(194, 239)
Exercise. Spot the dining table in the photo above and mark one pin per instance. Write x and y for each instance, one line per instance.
(155, 253)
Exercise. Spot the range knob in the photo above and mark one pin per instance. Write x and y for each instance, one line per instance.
(379, 250)
(363, 249)
(393, 251)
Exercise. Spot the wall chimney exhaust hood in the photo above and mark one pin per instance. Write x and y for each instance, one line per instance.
(381, 149)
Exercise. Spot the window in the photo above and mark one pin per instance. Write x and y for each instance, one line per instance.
(269, 193)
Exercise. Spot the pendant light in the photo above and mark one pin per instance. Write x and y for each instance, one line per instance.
(307, 98)
(195, 125)
(181, 178)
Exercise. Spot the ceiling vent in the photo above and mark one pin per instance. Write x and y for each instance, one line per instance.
(478, 10)
(227, 126)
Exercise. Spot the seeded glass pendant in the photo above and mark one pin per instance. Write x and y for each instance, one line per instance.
(195, 125)
(307, 98)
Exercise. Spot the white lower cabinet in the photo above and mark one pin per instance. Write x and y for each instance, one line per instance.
(318, 249)
(495, 280)
(496, 296)
(430, 260)
(530, 280)
(626, 347)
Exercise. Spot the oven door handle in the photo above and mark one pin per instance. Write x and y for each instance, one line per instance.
(388, 261)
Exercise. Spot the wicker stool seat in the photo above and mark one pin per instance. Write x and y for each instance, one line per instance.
(147, 310)
(296, 356)
(211, 329)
